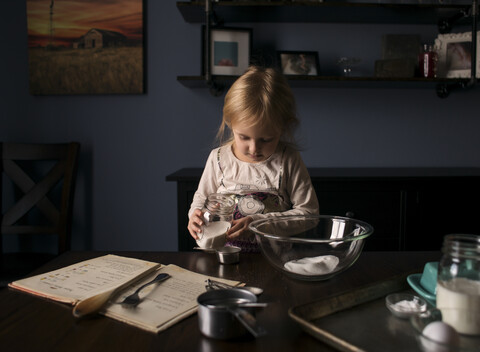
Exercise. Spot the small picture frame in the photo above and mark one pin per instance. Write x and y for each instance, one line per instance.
(230, 51)
(299, 63)
(454, 52)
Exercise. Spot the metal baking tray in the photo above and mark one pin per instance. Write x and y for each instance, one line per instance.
(359, 320)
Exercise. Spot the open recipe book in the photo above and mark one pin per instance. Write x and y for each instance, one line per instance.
(162, 305)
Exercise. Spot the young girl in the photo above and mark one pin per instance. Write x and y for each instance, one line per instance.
(258, 165)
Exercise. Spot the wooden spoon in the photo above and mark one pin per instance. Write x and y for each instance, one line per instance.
(93, 304)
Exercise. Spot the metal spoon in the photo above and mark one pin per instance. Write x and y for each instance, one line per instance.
(95, 303)
(212, 285)
(134, 298)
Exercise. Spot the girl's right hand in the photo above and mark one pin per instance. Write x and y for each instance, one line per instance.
(195, 223)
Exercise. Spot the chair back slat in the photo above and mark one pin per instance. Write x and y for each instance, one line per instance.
(34, 194)
(48, 193)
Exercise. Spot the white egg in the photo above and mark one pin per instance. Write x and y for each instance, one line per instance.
(440, 332)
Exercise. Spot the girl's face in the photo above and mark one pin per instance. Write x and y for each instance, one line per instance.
(253, 144)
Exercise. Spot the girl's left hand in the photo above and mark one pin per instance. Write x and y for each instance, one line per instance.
(240, 229)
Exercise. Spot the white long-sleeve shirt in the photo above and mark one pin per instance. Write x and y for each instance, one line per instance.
(281, 183)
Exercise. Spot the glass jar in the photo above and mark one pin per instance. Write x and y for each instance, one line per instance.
(218, 217)
(458, 285)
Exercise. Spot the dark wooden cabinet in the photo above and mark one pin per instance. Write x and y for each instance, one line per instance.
(439, 207)
(410, 208)
(377, 203)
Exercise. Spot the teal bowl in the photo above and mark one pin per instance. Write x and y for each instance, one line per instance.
(425, 284)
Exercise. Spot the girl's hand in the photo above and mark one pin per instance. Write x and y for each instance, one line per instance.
(240, 229)
(195, 223)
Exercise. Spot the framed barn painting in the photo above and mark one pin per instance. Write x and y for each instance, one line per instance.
(85, 47)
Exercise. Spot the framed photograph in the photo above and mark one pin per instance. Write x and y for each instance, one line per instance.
(230, 51)
(455, 55)
(299, 63)
(85, 47)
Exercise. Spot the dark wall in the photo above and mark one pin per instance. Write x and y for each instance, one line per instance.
(130, 143)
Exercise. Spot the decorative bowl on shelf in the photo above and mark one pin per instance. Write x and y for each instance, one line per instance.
(311, 247)
(347, 65)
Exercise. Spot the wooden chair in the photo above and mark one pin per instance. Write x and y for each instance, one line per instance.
(36, 193)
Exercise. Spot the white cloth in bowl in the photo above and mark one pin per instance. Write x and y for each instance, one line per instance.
(321, 265)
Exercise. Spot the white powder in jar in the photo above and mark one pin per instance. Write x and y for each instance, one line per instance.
(459, 301)
(214, 234)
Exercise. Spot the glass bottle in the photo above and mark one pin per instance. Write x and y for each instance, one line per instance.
(427, 62)
(458, 285)
(218, 217)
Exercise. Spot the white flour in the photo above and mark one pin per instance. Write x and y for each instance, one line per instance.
(459, 301)
(213, 235)
(408, 306)
(320, 265)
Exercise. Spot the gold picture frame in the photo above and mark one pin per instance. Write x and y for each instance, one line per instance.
(86, 47)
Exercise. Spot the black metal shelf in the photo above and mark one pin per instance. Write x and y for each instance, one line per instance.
(327, 12)
(442, 15)
(334, 82)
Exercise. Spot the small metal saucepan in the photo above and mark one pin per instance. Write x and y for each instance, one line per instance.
(225, 255)
(228, 255)
(224, 314)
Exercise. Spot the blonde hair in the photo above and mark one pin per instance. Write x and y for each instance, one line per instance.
(260, 97)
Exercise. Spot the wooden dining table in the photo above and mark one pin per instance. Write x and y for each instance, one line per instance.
(31, 323)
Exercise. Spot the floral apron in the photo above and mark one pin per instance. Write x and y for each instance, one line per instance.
(246, 204)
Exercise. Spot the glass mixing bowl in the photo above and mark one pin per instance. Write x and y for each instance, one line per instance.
(311, 247)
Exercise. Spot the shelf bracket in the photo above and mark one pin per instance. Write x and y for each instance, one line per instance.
(216, 89)
(473, 61)
(445, 25)
(207, 44)
(444, 89)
